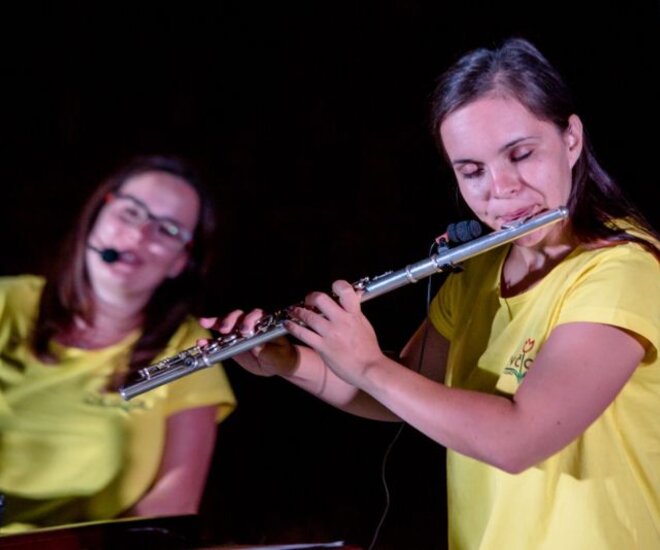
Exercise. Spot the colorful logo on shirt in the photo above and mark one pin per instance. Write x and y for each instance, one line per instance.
(520, 363)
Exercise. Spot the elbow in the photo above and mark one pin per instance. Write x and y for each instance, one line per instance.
(512, 457)
(513, 467)
(514, 461)
(515, 450)
(191, 509)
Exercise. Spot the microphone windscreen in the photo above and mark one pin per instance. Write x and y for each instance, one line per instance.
(109, 255)
(464, 231)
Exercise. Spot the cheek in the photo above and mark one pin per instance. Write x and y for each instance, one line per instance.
(176, 265)
(163, 256)
(568, 182)
(558, 183)
(538, 170)
(104, 226)
(159, 259)
(474, 194)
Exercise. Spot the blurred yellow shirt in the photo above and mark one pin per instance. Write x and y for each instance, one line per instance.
(69, 450)
(603, 489)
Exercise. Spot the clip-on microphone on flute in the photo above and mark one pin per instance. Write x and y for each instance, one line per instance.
(458, 233)
(108, 255)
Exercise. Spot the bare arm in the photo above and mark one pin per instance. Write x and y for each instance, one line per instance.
(545, 415)
(180, 481)
(302, 366)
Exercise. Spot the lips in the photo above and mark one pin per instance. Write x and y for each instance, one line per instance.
(127, 261)
(521, 214)
(129, 257)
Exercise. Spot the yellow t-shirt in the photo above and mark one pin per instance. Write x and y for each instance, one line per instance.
(70, 451)
(603, 489)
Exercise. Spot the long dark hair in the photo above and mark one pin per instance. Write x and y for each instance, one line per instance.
(517, 69)
(67, 293)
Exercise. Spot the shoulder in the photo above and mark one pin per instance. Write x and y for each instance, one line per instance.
(20, 290)
(625, 269)
(617, 285)
(19, 300)
(628, 232)
(207, 386)
(624, 259)
(187, 334)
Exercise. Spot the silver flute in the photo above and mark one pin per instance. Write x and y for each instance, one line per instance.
(271, 326)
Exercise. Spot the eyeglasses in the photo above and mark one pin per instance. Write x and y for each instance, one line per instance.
(134, 212)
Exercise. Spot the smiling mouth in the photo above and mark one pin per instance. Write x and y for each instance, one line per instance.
(128, 257)
(127, 260)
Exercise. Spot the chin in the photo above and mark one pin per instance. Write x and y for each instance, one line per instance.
(533, 239)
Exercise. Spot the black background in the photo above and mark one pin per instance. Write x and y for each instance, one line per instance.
(309, 122)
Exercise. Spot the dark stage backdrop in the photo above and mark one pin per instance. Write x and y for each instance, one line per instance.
(309, 122)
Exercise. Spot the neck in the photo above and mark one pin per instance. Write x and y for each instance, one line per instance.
(116, 318)
(111, 322)
(526, 266)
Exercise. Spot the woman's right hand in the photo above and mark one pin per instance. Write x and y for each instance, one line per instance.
(276, 357)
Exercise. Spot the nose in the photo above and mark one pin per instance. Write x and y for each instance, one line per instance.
(138, 232)
(505, 182)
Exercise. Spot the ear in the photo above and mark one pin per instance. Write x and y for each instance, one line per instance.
(179, 264)
(573, 136)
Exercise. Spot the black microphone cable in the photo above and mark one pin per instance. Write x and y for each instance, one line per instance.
(460, 232)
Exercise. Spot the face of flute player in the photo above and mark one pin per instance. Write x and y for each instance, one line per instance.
(509, 163)
(149, 220)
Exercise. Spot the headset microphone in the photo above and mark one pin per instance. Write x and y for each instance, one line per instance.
(108, 255)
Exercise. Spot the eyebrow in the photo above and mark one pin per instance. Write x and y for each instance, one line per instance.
(502, 149)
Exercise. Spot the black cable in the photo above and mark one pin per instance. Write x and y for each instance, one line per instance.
(383, 475)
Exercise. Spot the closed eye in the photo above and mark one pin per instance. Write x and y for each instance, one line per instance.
(517, 157)
(131, 212)
(471, 174)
